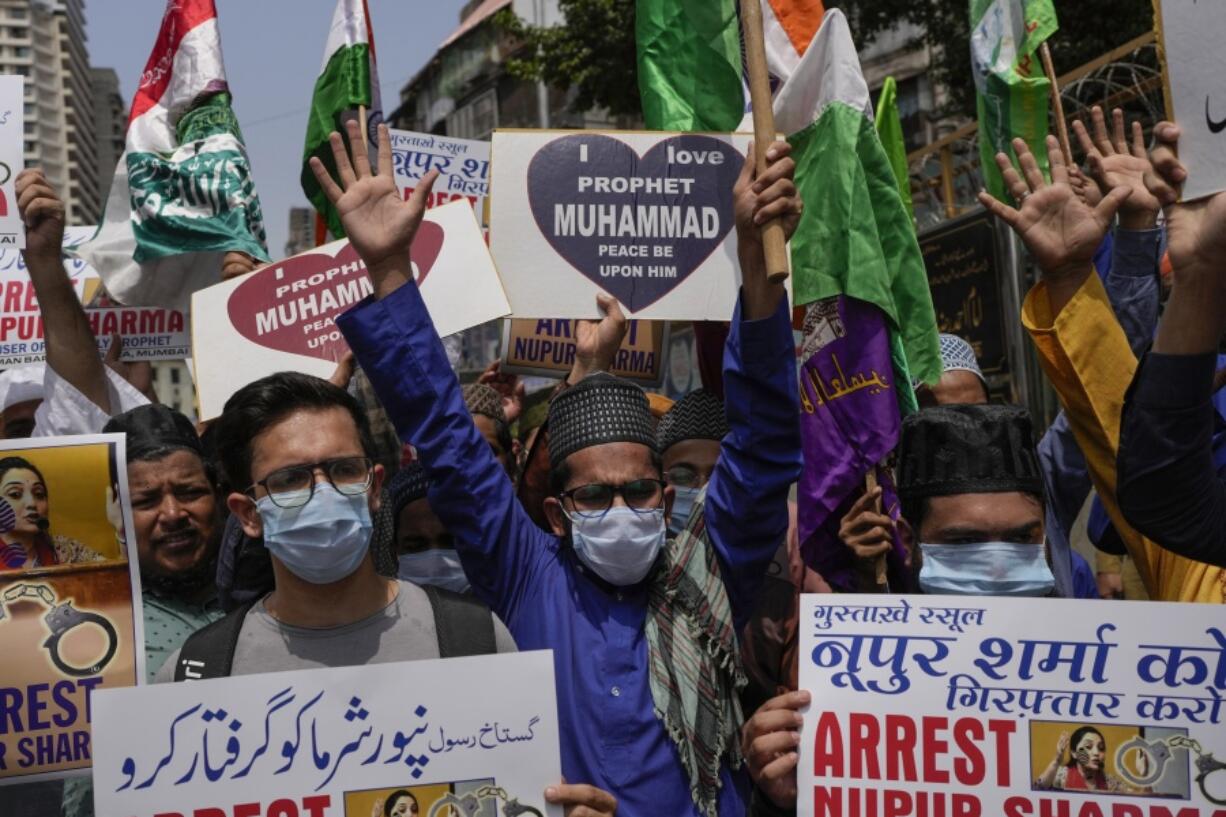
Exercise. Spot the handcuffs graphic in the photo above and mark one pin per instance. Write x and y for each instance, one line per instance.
(470, 804)
(60, 620)
(1158, 753)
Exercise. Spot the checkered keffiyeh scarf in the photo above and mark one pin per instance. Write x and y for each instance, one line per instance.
(694, 660)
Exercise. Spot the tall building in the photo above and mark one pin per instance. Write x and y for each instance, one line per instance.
(301, 230)
(110, 122)
(44, 41)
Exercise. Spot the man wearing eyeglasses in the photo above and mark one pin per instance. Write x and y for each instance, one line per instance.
(642, 628)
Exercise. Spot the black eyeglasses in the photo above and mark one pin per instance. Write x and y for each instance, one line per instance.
(294, 486)
(595, 500)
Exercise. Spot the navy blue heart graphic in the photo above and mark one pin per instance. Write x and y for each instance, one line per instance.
(637, 228)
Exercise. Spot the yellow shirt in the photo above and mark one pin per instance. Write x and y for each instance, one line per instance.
(1086, 357)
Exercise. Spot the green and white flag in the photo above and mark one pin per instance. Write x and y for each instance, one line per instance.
(182, 195)
(889, 129)
(348, 80)
(1013, 93)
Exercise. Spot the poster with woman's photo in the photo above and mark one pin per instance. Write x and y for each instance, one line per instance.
(70, 618)
(975, 706)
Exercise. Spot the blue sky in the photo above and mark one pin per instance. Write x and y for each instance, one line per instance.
(273, 49)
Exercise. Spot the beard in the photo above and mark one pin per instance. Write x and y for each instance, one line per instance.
(189, 582)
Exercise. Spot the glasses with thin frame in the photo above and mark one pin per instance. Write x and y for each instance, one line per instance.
(640, 495)
(294, 486)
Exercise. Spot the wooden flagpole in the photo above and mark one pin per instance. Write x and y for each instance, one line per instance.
(870, 485)
(774, 242)
(1057, 104)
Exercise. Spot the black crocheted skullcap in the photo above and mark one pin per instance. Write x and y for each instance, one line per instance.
(154, 428)
(697, 416)
(975, 449)
(409, 485)
(484, 400)
(597, 410)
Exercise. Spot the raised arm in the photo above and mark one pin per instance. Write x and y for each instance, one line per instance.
(746, 504)
(395, 343)
(1169, 488)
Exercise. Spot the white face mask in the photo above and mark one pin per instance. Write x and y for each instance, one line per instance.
(322, 541)
(986, 569)
(440, 568)
(621, 545)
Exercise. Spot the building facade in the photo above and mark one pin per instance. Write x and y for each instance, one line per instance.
(301, 230)
(110, 122)
(44, 41)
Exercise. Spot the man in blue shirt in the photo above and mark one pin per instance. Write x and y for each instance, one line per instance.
(607, 637)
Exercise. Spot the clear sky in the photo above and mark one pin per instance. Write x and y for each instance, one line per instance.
(273, 50)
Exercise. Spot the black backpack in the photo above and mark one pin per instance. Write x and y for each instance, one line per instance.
(464, 626)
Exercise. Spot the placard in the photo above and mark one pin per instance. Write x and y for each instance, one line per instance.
(149, 333)
(547, 348)
(963, 265)
(645, 217)
(463, 166)
(479, 734)
(1004, 707)
(283, 316)
(1191, 45)
(70, 610)
(12, 152)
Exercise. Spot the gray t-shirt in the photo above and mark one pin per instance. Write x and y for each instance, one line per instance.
(401, 631)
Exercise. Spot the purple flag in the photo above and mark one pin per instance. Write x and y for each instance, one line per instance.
(849, 423)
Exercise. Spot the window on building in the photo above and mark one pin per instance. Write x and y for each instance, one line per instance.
(29, 127)
(17, 13)
(21, 51)
(174, 376)
(914, 104)
(23, 70)
(18, 32)
(477, 119)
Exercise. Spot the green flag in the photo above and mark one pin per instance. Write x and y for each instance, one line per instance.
(889, 129)
(689, 55)
(1013, 93)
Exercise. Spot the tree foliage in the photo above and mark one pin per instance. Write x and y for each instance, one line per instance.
(594, 52)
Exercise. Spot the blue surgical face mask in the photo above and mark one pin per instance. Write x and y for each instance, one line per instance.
(440, 568)
(621, 545)
(322, 541)
(683, 506)
(986, 569)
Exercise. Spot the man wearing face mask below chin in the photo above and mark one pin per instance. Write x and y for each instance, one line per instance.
(637, 627)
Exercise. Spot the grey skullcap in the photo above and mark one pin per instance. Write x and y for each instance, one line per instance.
(697, 416)
(957, 355)
(599, 409)
(484, 400)
(978, 449)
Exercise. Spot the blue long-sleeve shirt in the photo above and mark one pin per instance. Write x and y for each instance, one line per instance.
(610, 735)
(1133, 287)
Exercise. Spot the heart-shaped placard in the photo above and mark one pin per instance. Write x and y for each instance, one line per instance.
(636, 227)
(292, 306)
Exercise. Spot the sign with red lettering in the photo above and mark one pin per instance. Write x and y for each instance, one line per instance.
(12, 151)
(283, 316)
(975, 706)
(463, 166)
(645, 217)
(547, 348)
(148, 333)
(70, 603)
(464, 736)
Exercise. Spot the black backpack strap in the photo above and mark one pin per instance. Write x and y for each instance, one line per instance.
(209, 652)
(464, 625)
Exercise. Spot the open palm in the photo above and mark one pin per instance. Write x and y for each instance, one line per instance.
(380, 224)
(1196, 239)
(1116, 162)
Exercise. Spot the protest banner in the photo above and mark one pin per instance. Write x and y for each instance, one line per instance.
(12, 151)
(148, 333)
(1006, 707)
(283, 316)
(479, 734)
(1191, 35)
(70, 612)
(463, 166)
(645, 217)
(547, 348)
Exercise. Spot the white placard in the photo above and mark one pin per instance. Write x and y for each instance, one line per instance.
(333, 742)
(645, 217)
(12, 151)
(463, 166)
(1192, 32)
(283, 316)
(1006, 707)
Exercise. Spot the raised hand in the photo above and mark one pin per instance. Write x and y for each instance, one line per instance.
(509, 387)
(1061, 232)
(868, 533)
(596, 343)
(380, 224)
(43, 213)
(1115, 162)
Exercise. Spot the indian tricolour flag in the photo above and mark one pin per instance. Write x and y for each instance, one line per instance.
(869, 325)
(182, 195)
(348, 85)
